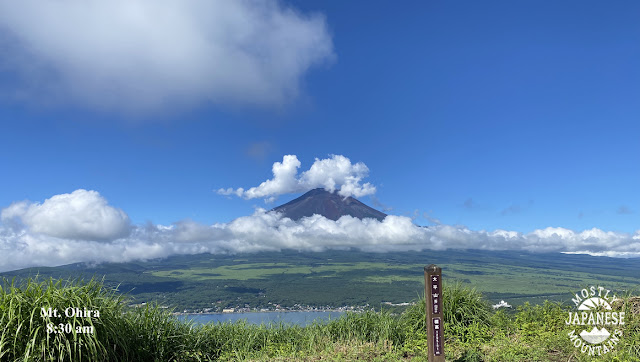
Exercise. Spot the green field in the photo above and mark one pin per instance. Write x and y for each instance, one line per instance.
(246, 271)
(350, 278)
(520, 280)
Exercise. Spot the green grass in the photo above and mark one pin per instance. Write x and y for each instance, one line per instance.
(116, 334)
(473, 331)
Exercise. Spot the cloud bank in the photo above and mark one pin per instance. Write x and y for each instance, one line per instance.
(154, 55)
(336, 173)
(83, 227)
(80, 215)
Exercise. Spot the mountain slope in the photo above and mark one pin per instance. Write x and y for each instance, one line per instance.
(330, 205)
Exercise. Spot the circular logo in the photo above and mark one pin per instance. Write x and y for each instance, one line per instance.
(596, 324)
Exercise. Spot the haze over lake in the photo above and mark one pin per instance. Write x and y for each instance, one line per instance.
(298, 318)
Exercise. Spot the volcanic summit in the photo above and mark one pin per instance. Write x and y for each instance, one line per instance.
(330, 205)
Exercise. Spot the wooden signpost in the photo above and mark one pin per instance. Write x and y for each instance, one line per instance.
(435, 320)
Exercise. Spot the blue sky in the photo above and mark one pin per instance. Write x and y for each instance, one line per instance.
(492, 115)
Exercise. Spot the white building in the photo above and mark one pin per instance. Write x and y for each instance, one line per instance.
(501, 305)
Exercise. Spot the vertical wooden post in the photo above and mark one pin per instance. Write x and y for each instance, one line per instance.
(435, 320)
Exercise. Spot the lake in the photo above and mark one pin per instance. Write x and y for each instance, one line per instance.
(298, 318)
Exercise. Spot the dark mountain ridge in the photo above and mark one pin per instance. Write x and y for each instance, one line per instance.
(330, 205)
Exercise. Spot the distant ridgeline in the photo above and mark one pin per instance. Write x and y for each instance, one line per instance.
(328, 204)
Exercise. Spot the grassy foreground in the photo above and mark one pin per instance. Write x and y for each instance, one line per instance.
(473, 332)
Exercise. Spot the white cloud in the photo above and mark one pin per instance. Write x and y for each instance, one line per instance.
(284, 179)
(154, 55)
(22, 245)
(336, 173)
(80, 215)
